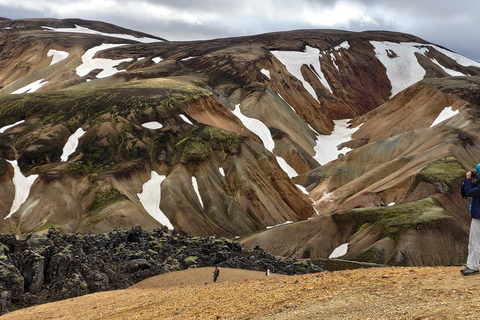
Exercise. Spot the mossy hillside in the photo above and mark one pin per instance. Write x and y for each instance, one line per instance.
(162, 98)
(395, 220)
(446, 172)
(203, 142)
(80, 106)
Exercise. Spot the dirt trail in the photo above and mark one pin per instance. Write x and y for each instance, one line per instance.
(377, 293)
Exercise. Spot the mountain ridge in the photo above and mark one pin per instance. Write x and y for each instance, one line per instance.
(237, 142)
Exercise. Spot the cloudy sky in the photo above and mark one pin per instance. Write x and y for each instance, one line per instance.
(452, 24)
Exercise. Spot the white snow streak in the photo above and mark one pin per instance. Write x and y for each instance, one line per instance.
(72, 144)
(326, 147)
(222, 172)
(195, 187)
(157, 59)
(151, 196)
(281, 224)
(266, 72)
(3, 129)
(286, 167)
(451, 72)
(184, 118)
(79, 29)
(57, 55)
(108, 65)
(154, 125)
(293, 61)
(446, 113)
(340, 251)
(257, 127)
(29, 88)
(22, 187)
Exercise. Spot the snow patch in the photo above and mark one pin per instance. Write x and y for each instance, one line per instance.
(257, 127)
(57, 55)
(154, 125)
(222, 172)
(22, 187)
(461, 60)
(281, 224)
(29, 88)
(195, 187)
(79, 29)
(286, 167)
(294, 60)
(446, 113)
(303, 189)
(184, 118)
(151, 196)
(340, 251)
(108, 65)
(399, 59)
(326, 146)
(344, 45)
(451, 72)
(266, 73)
(334, 60)
(3, 129)
(188, 58)
(72, 144)
(157, 59)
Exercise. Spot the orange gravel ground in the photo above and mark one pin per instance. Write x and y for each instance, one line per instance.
(378, 293)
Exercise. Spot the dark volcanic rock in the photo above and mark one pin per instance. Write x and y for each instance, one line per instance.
(55, 266)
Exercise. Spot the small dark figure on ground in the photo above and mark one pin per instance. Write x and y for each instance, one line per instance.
(472, 189)
(215, 274)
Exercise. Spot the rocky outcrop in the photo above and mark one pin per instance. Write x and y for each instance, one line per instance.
(56, 266)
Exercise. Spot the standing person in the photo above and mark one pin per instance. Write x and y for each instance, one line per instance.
(268, 273)
(472, 189)
(215, 274)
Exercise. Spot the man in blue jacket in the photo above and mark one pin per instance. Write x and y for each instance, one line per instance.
(473, 190)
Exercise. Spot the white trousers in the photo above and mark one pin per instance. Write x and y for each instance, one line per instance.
(473, 259)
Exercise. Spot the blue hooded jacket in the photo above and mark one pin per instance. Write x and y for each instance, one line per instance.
(473, 192)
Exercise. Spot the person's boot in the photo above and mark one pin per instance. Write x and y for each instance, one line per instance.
(468, 271)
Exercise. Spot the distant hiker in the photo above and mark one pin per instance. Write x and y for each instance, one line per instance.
(472, 189)
(215, 274)
(267, 273)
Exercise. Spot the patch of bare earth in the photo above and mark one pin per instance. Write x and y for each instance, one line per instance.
(377, 293)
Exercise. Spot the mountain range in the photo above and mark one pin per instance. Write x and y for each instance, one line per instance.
(307, 143)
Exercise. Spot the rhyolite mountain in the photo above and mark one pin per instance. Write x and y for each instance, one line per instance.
(104, 127)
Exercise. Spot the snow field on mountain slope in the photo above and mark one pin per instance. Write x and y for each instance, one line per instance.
(446, 113)
(294, 60)
(22, 187)
(57, 55)
(326, 147)
(31, 87)
(402, 65)
(72, 144)
(107, 65)
(151, 196)
(79, 29)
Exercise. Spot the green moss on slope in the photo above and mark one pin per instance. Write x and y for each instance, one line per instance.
(446, 171)
(394, 220)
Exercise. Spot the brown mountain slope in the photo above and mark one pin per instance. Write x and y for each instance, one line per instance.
(235, 120)
(386, 293)
(398, 160)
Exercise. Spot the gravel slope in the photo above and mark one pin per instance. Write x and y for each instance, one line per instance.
(377, 293)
